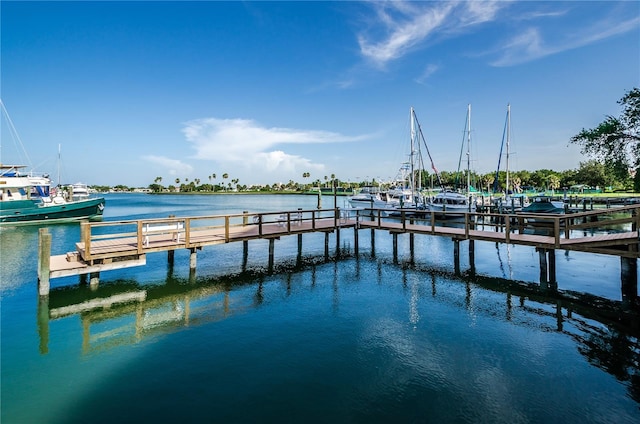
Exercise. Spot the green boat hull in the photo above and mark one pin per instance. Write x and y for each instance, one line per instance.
(29, 212)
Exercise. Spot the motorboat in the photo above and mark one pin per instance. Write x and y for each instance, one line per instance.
(18, 206)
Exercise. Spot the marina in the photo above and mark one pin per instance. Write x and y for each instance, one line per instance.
(101, 248)
(378, 325)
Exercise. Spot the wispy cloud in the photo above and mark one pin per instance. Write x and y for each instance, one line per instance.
(406, 26)
(400, 28)
(428, 71)
(530, 45)
(172, 166)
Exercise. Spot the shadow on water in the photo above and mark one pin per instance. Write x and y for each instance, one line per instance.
(125, 312)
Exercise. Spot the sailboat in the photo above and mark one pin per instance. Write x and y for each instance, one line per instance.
(512, 201)
(404, 190)
(449, 203)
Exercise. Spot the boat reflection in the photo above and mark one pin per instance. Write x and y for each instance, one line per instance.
(124, 312)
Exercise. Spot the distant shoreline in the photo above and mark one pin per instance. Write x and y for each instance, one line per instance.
(187, 193)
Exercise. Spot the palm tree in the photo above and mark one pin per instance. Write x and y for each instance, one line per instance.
(306, 175)
(224, 177)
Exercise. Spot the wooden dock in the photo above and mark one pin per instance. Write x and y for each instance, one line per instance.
(119, 244)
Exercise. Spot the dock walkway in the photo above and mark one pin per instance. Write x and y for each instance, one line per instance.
(119, 244)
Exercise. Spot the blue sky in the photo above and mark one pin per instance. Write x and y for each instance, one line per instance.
(265, 91)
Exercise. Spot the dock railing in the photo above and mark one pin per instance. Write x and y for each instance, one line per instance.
(573, 225)
(138, 235)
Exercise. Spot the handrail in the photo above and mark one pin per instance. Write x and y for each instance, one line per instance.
(228, 221)
(507, 222)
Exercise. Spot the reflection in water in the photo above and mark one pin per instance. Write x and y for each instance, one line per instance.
(124, 312)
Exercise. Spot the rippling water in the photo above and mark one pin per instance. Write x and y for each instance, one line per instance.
(359, 339)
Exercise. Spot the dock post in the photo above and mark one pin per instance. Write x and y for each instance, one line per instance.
(337, 242)
(355, 240)
(629, 281)
(44, 261)
(542, 256)
(551, 253)
(193, 258)
(94, 279)
(170, 253)
(395, 248)
(326, 245)
(472, 257)
(43, 324)
(411, 246)
(245, 254)
(299, 258)
(456, 256)
(245, 218)
(373, 243)
(271, 251)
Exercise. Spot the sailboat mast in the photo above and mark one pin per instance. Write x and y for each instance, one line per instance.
(508, 140)
(469, 148)
(413, 135)
(58, 165)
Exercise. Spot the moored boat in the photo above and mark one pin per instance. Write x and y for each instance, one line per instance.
(544, 204)
(18, 206)
(449, 203)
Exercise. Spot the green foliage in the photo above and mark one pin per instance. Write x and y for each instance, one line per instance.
(615, 141)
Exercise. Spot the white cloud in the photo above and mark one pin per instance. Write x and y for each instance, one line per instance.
(428, 71)
(529, 45)
(238, 139)
(281, 162)
(408, 25)
(248, 146)
(172, 166)
(401, 28)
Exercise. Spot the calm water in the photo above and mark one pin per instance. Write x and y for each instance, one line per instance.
(359, 339)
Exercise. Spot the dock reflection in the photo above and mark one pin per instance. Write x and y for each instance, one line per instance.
(118, 313)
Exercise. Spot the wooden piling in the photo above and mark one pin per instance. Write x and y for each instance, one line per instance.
(299, 258)
(326, 245)
(171, 253)
(456, 256)
(355, 240)
(245, 254)
(44, 261)
(551, 257)
(271, 253)
(472, 257)
(43, 324)
(373, 243)
(94, 279)
(193, 258)
(629, 279)
(395, 247)
(542, 257)
(411, 247)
